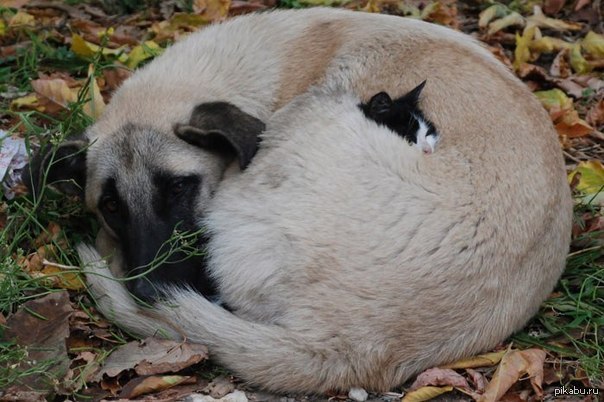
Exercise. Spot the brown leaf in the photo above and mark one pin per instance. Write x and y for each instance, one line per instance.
(42, 325)
(560, 67)
(552, 7)
(440, 377)
(219, 387)
(152, 356)
(595, 115)
(145, 385)
(478, 380)
(512, 367)
(212, 10)
(540, 20)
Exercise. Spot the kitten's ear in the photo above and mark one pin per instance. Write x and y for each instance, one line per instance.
(413, 95)
(379, 104)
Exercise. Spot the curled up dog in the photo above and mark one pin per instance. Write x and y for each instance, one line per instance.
(346, 255)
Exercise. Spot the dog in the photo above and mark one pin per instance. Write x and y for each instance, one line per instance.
(472, 247)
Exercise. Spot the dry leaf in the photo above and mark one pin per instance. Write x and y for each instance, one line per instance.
(563, 114)
(21, 19)
(439, 377)
(539, 19)
(578, 62)
(152, 356)
(425, 394)
(212, 10)
(591, 177)
(42, 325)
(552, 7)
(593, 44)
(142, 52)
(29, 101)
(513, 365)
(484, 360)
(95, 105)
(490, 13)
(478, 380)
(56, 90)
(522, 53)
(513, 19)
(84, 48)
(595, 115)
(560, 66)
(145, 385)
(547, 44)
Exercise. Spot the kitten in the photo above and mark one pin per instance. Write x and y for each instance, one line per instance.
(403, 116)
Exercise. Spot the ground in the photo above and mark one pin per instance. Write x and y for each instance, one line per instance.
(60, 61)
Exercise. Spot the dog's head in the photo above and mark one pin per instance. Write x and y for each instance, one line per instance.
(150, 189)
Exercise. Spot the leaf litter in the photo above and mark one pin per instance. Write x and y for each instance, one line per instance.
(556, 47)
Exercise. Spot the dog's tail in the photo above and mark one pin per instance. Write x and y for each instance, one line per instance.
(273, 357)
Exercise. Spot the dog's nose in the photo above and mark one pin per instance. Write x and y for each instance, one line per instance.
(144, 291)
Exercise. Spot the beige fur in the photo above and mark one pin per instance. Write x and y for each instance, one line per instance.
(348, 256)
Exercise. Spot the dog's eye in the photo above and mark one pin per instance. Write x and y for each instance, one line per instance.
(110, 204)
(178, 186)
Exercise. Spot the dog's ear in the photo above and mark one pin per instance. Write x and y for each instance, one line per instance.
(63, 166)
(223, 127)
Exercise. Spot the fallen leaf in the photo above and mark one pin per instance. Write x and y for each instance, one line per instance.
(513, 19)
(142, 52)
(547, 44)
(484, 360)
(152, 356)
(441, 12)
(522, 53)
(552, 7)
(591, 177)
(87, 49)
(42, 325)
(56, 90)
(560, 66)
(539, 19)
(30, 100)
(478, 380)
(236, 396)
(577, 61)
(513, 365)
(219, 387)
(95, 105)
(21, 19)
(562, 112)
(595, 115)
(490, 13)
(16, 4)
(425, 394)
(439, 377)
(593, 44)
(145, 385)
(212, 10)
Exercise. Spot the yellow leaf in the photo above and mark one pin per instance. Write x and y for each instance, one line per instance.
(28, 100)
(425, 393)
(60, 278)
(490, 13)
(95, 105)
(522, 54)
(21, 19)
(212, 10)
(514, 19)
(2, 28)
(591, 180)
(593, 44)
(554, 99)
(84, 48)
(547, 44)
(484, 360)
(577, 61)
(179, 21)
(56, 90)
(513, 365)
(142, 52)
(539, 19)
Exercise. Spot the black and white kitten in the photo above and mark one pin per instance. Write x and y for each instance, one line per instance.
(403, 116)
